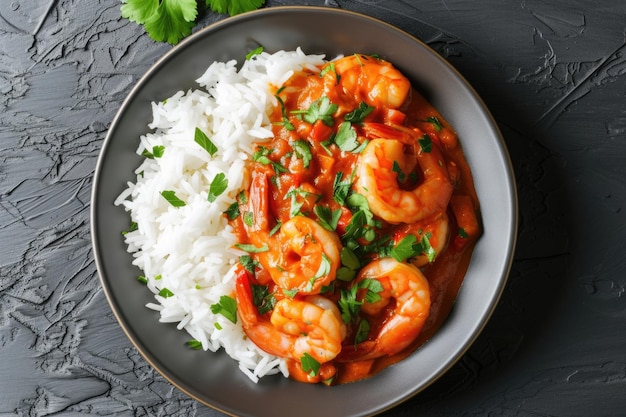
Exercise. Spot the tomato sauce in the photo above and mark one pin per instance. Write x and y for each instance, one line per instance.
(322, 123)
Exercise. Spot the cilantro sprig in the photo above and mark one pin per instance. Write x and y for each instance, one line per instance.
(172, 20)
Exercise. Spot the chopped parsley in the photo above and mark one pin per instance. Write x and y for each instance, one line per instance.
(359, 114)
(435, 122)
(194, 344)
(227, 307)
(218, 186)
(171, 198)
(410, 247)
(203, 140)
(165, 293)
(310, 365)
(321, 109)
(262, 298)
(254, 52)
(426, 144)
(327, 217)
(346, 138)
(247, 247)
(157, 152)
(303, 151)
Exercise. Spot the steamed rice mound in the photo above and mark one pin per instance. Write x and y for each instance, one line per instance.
(186, 253)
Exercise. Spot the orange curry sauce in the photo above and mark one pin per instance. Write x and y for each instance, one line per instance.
(311, 164)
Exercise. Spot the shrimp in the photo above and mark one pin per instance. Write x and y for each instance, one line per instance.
(306, 256)
(296, 328)
(377, 181)
(302, 255)
(372, 80)
(404, 283)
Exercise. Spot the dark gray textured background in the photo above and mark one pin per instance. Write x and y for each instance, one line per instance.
(552, 72)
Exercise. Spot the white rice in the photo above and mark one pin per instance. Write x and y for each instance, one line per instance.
(189, 250)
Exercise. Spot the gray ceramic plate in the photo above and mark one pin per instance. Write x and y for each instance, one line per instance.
(214, 379)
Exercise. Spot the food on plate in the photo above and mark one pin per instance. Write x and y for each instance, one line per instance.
(312, 218)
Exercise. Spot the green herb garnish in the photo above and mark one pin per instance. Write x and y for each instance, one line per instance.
(171, 198)
(227, 307)
(218, 186)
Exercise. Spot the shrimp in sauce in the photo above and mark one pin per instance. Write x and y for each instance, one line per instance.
(360, 220)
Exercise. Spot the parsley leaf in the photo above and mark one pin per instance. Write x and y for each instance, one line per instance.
(194, 344)
(435, 122)
(303, 151)
(165, 293)
(218, 186)
(251, 248)
(227, 307)
(262, 298)
(233, 7)
(357, 115)
(346, 137)
(341, 188)
(203, 140)
(157, 152)
(426, 144)
(321, 109)
(255, 51)
(171, 198)
(164, 20)
(172, 20)
(309, 364)
(232, 212)
(328, 218)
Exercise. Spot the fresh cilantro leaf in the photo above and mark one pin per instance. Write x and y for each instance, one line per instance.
(341, 188)
(328, 218)
(157, 152)
(131, 228)
(349, 306)
(218, 186)
(346, 137)
(396, 168)
(165, 293)
(170, 196)
(462, 233)
(303, 151)
(426, 144)
(324, 268)
(203, 140)
(248, 263)
(262, 298)
(172, 20)
(232, 212)
(374, 287)
(321, 109)
(309, 364)
(285, 122)
(164, 20)
(194, 344)
(362, 331)
(248, 218)
(234, 7)
(435, 122)
(404, 249)
(357, 115)
(254, 52)
(251, 248)
(350, 265)
(227, 307)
